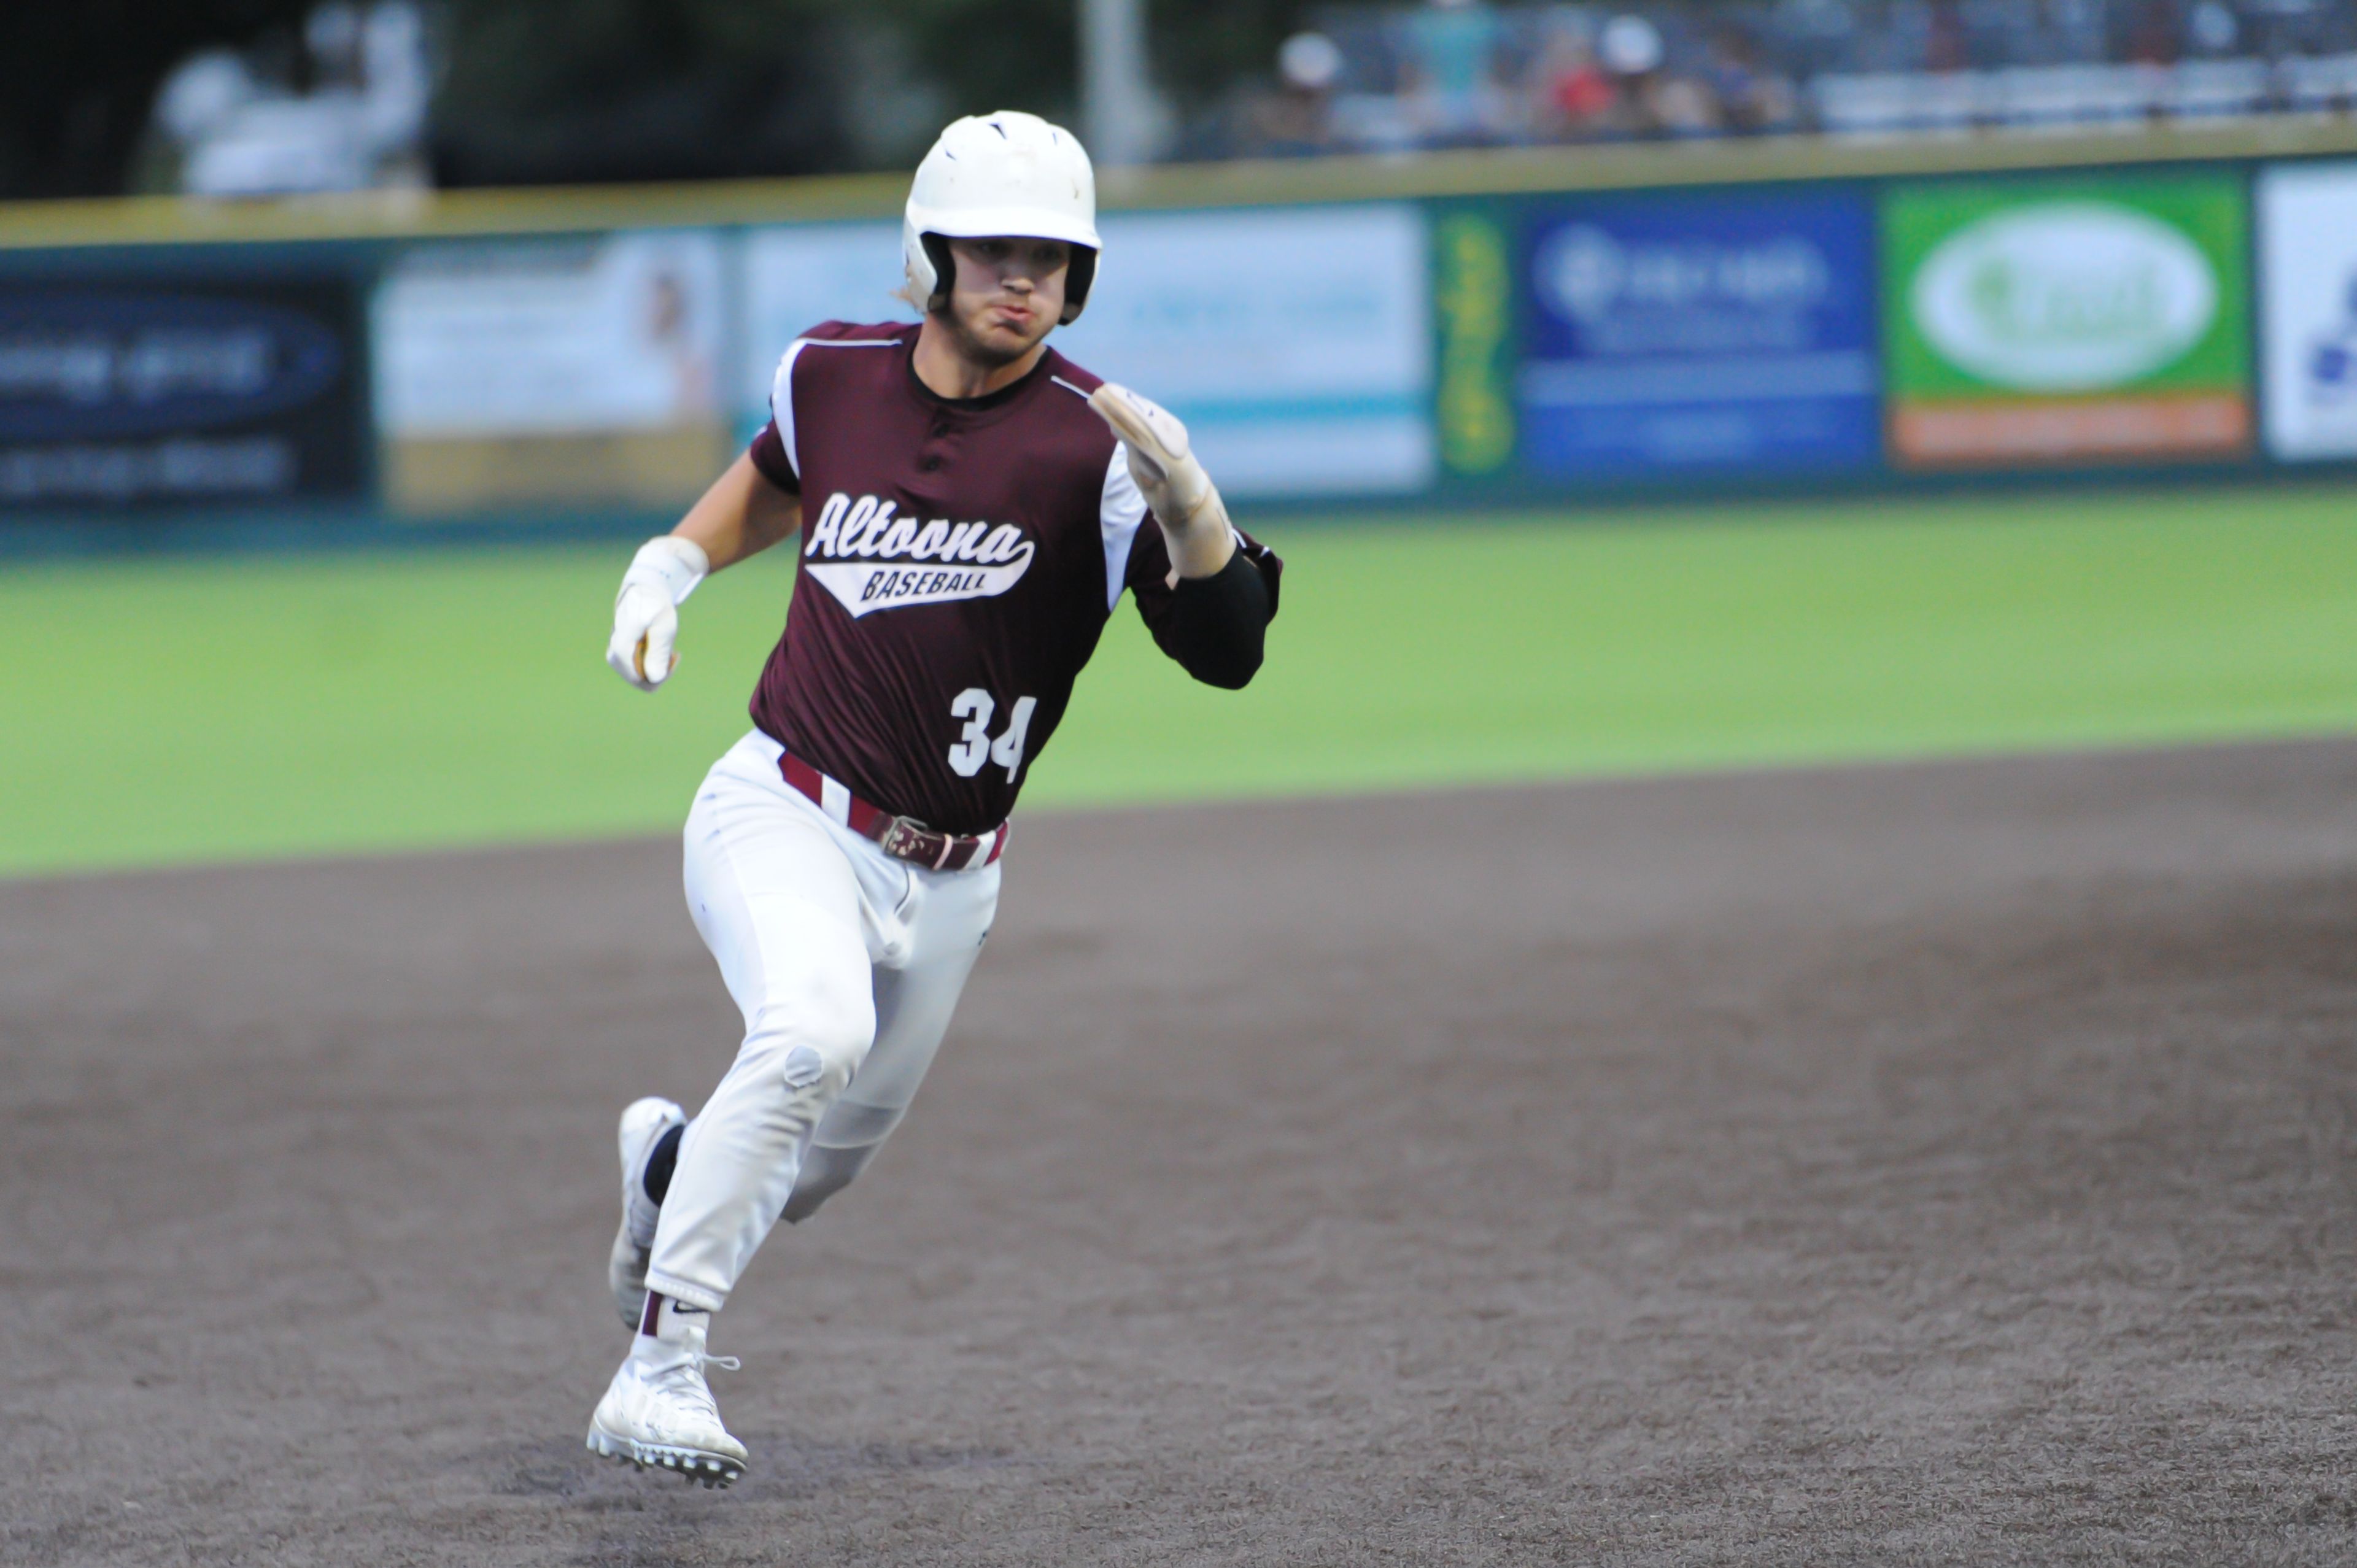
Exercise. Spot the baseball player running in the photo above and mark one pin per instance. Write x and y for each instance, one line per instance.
(972, 506)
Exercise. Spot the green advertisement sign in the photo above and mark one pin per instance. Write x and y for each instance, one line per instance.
(2066, 320)
(1473, 312)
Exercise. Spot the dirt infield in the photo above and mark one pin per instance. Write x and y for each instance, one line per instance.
(1944, 1163)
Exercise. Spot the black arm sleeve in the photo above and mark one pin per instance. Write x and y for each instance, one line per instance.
(1216, 625)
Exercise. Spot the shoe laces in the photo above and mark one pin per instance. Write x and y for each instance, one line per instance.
(682, 1360)
(681, 1376)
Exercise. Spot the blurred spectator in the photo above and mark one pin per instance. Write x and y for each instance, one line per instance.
(2153, 34)
(1945, 47)
(1751, 98)
(1631, 50)
(348, 113)
(1297, 121)
(1575, 100)
(2212, 28)
(1683, 106)
(1452, 61)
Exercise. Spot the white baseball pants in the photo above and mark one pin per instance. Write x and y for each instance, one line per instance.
(847, 964)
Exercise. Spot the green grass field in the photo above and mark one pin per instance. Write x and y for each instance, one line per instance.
(206, 709)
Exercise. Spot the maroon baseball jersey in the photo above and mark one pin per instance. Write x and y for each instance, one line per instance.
(959, 557)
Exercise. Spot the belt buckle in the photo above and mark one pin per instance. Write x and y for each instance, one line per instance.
(906, 839)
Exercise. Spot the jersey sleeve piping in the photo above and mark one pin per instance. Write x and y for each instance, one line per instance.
(781, 404)
(1119, 513)
(782, 386)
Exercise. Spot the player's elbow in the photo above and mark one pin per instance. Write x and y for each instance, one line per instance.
(1230, 666)
(1217, 625)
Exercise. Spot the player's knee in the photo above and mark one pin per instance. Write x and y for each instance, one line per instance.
(814, 1042)
(825, 1173)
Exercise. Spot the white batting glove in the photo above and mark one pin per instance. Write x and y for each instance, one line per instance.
(646, 611)
(1193, 517)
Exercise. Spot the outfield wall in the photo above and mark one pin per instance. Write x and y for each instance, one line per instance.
(1468, 328)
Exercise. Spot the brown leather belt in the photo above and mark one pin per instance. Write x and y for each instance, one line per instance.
(898, 837)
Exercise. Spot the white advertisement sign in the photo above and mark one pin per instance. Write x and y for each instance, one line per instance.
(619, 333)
(1295, 344)
(2308, 342)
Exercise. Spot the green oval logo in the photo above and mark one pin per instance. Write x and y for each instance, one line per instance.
(2064, 296)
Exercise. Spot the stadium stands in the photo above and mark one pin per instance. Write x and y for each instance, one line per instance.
(1467, 73)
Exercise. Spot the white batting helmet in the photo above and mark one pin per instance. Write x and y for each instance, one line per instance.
(1002, 173)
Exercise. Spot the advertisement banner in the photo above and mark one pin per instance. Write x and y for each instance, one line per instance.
(552, 372)
(2308, 343)
(2054, 321)
(179, 390)
(1674, 336)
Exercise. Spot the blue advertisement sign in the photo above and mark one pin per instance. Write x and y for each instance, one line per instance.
(179, 390)
(1681, 335)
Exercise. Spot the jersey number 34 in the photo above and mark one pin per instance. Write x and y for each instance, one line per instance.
(974, 745)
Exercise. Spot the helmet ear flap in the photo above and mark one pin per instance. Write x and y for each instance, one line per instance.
(937, 250)
(1078, 274)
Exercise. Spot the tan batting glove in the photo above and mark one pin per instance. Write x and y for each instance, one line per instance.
(1194, 519)
(646, 611)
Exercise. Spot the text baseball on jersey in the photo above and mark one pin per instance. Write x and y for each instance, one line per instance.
(872, 560)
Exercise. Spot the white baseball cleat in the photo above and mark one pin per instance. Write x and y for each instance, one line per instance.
(658, 1412)
(626, 1268)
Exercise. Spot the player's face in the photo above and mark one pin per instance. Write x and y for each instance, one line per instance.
(1007, 295)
